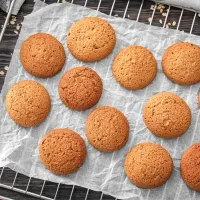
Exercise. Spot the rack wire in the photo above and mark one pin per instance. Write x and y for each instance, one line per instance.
(37, 188)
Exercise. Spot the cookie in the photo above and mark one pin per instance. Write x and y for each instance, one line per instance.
(181, 63)
(80, 88)
(148, 165)
(134, 67)
(190, 167)
(62, 151)
(91, 39)
(167, 115)
(42, 55)
(107, 129)
(28, 103)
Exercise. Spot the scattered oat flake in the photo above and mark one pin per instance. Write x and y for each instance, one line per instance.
(6, 68)
(12, 22)
(2, 72)
(160, 21)
(116, 15)
(128, 16)
(173, 23)
(199, 14)
(17, 27)
(158, 8)
(150, 19)
(63, 1)
(167, 26)
(152, 7)
(16, 32)
(164, 14)
(161, 10)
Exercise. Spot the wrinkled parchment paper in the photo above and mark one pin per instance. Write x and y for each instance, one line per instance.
(189, 4)
(5, 4)
(101, 171)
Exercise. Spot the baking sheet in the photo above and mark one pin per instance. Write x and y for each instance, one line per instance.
(101, 171)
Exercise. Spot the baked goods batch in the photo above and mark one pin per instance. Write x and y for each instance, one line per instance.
(166, 115)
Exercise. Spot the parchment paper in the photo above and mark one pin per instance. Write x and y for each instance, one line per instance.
(101, 171)
(5, 4)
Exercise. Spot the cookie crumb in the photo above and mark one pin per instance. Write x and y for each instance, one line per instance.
(164, 14)
(6, 68)
(160, 21)
(16, 32)
(2, 72)
(17, 27)
(12, 22)
(173, 23)
(152, 7)
(150, 19)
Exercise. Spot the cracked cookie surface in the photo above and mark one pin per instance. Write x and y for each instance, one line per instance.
(91, 39)
(181, 63)
(190, 167)
(62, 151)
(107, 129)
(42, 55)
(167, 115)
(80, 88)
(134, 67)
(28, 103)
(148, 165)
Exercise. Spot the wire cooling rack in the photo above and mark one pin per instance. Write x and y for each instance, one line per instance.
(143, 11)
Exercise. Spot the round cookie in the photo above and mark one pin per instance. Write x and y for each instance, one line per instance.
(62, 151)
(42, 55)
(91, 39)
(107, 129)
(28, 103)
(80, 88)
(190, 167)
(134, 67)
(181, 63)
(148, 165)
(167, 115)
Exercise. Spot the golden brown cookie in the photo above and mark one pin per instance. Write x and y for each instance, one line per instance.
(107, 129)
(28, 103)
(134, 67)
(190, 167)
(80, 88)
(148, 165)
(167, 115)
(62, 151)
(42, 55)
(91, 39)
(181, 63)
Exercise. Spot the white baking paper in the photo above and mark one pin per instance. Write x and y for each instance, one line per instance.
(188, 4)
(5, 5)
(101, 171)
